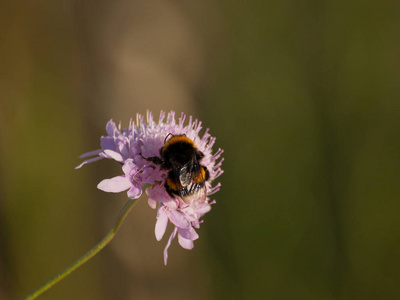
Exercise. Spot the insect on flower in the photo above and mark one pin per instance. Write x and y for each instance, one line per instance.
(186, 176)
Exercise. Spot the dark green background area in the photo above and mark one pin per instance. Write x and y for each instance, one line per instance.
(311, 99)
(303, 96)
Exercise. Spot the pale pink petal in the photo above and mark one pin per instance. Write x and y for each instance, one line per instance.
(111, 127)
(91, 153)
(152, 203)
(128, 166)
(185, 243)
(114, 185)
(203, 210)
(107, 142)
(89, 161)
(178, 219)
(161, 224)
(114, 155)
(158, 193)
(189, 233)
(134, 192)
(196, 224)
(168, 244)
(148, 175)
(123, 149)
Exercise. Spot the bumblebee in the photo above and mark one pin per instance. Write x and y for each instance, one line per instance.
(186, 176)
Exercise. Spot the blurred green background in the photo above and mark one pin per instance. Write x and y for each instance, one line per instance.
(303, 96)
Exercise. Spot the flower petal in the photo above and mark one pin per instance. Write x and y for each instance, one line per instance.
(89, 161)
(123, 149)
(134, 192)
(178, 219)
(204, 209)
(189, 233)
(168, 244)
(152, 203)
(114, 155)
(114, 185)
(129, 166)
(185, 243)
(107, 142)
(111, 128)
(161, 224)
(158, 193)
(91, 153)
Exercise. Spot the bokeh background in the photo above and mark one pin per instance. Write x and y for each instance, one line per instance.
(303, 96)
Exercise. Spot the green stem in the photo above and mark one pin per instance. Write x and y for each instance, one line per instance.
(123, 213)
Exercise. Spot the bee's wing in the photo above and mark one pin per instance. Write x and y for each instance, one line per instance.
(199, 195)
(192, 191)
(188, 171)
(185, 175)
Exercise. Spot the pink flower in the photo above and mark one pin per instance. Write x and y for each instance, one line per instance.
(144, 139)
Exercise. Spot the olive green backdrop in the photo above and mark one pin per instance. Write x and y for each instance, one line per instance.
(303, 96)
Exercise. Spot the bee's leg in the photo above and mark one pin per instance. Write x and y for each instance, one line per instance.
(207, 173)
(199, 155)
(153, 159)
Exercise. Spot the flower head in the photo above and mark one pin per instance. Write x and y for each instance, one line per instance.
(138, 149)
